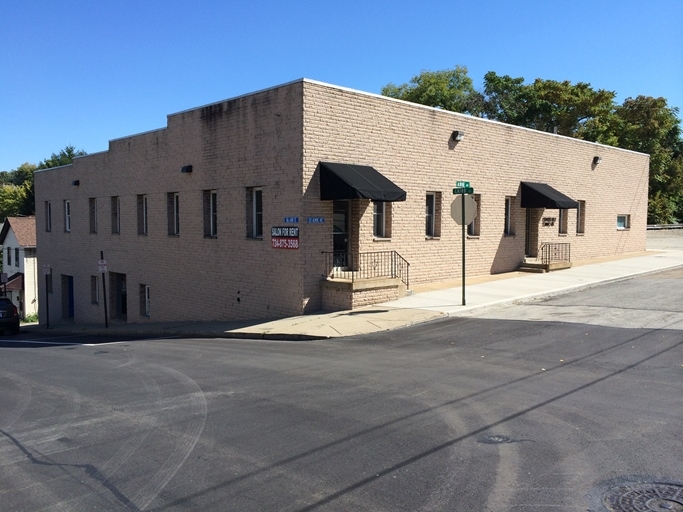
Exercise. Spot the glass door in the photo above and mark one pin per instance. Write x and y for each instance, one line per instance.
(340, 233)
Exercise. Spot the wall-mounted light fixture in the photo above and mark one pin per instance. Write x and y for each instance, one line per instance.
(75, 183)
(597, 160)
(186, 169)
(457, 135)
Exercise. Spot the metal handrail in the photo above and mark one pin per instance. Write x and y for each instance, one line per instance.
(551, 252)
(367, 265)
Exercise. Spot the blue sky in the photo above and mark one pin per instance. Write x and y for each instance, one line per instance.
(82, 72)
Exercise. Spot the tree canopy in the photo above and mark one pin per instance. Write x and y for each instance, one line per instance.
(644, 123)
(17, 196)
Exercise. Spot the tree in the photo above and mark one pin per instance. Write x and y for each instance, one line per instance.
(17, 195)
(545, 105)
(649, 125)
(449, 89)
(643, 124)
(64, 157)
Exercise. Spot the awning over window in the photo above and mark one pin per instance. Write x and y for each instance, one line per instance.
(15, 282)
(347, 181)
(540, 195)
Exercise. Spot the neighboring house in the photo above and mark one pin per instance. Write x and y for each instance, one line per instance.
(309, 196)
(18, 240)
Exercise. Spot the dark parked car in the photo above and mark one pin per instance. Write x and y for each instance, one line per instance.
(9, 316)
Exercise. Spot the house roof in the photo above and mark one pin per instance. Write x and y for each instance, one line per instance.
(24, 229)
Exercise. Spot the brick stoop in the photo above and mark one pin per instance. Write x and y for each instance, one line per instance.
(345, 294)
(534, 266)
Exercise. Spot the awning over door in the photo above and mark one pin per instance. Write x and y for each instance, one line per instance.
(347, 181)
(540, 195)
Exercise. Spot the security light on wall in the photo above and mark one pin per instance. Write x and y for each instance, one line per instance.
(597, 160)
(457, 135)
(186, 169)
(75, 183)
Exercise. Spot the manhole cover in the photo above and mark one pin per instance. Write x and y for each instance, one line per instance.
(644, 497)
(497, 439)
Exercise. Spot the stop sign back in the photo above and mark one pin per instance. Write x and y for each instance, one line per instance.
(470, 210)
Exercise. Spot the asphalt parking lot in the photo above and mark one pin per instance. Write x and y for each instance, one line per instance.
(568, 403)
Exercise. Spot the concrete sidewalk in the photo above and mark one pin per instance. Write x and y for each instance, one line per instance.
(426, 303)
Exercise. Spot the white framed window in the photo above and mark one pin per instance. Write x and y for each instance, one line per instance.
(48, 216)
(92, 205)
(581, 218)
(142, 214)
(144, 300)
(210, 200)
(173, 211)
(623, 222)
(255, 212)
(67, 216)
(94, 290)
(474, 227)
(430, 215)
(16, 256)
(115, 214)
(563, 224)
(9, 256)
(379, 219)
(509, 229)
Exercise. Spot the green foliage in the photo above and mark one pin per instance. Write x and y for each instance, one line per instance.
(448, 89)
(30, 319)
(546, 105)
(12, 200)
(17, 196)
(64, 157)
(643, 124)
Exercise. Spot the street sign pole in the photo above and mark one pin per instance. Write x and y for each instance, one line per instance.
(463, 217)
(46, 271)
(104, 294)
(462, 196)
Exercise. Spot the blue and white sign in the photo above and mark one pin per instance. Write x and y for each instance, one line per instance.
(291, 220)
(315, 220)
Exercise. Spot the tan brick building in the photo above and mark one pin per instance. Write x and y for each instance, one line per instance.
(245, 208)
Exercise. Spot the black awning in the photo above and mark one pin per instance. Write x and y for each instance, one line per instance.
(540, 195)
(347, 181)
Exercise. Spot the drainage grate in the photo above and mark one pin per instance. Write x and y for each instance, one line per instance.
(644, 497)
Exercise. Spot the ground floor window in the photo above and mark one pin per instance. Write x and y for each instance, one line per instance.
(433, 215)
(509, 221)
(94, 290)
(623, 222)
(474, 227)
(563, 221)
(255, 212)
(381, 214)
(581, 218)
(144, 300)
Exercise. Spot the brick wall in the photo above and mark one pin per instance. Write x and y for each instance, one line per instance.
(250, 141)
(275, 139)
(410, 144)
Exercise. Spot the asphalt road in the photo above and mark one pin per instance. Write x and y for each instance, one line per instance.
(545, 405)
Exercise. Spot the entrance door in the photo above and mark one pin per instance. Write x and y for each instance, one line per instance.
(527, 233)
(340, 234)
(67, 297)
(118, 286)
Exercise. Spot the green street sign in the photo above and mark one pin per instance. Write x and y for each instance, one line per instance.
(461, 184)
(463, 190)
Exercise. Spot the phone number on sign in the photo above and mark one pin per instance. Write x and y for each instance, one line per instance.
(284, 243)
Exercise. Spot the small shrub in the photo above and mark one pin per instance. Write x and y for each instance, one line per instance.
(32, 318)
